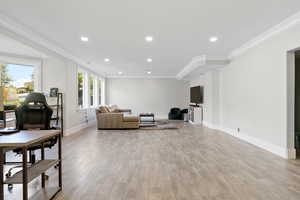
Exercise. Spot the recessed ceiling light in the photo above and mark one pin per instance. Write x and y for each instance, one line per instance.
(84, 39)
(106, 60)
(213, 39)
(149, 38)
(149, 60)
(149, 72)
(120, 73)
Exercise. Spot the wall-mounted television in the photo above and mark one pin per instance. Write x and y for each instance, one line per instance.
(197, 94)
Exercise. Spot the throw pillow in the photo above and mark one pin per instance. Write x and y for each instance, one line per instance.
(113, 108)
(103, 109)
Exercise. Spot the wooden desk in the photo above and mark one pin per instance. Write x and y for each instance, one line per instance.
(23, 140)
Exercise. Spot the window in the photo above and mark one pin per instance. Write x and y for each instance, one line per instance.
(99, 91)
(18, 81)
(80, 82)
(92, 90)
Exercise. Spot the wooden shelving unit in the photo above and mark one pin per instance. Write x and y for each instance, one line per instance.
(33, 172)
(45, 194)
(23, 140)
(58, 112)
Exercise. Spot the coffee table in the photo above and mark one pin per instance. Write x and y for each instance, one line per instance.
(147, 122)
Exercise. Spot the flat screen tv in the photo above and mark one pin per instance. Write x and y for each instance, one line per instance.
(196, 94)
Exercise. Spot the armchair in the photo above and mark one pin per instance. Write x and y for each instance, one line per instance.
(175, 114)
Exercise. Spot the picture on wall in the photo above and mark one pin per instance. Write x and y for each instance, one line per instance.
(53, 92)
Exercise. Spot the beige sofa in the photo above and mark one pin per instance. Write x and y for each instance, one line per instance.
(111, 117)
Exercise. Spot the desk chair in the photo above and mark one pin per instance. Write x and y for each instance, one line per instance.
(34, 113)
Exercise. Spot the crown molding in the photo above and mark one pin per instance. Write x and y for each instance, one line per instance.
(141, 77)
(193, 64)
(29, 37)
(202, 62)
(284, 25)
(22, 56)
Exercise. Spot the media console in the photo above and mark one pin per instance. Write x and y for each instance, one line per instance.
(195, 114)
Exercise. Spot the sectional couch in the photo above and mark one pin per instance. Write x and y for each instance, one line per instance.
(111, 117)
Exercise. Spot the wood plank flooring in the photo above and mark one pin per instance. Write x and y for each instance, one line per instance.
(190, 163)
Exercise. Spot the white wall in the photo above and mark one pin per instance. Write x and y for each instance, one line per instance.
(253, 93)
(148, 95)
(62, 74)
(254, 90)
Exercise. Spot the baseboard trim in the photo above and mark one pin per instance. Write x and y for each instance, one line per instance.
(275, 149)
(292, 154)
(209, 125)
(79, 127)
(195, 123)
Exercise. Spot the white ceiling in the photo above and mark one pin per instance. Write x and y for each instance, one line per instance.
(116, 29)
(9, 46)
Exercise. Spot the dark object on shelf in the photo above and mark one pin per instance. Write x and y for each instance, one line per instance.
(175, 114)
(53, 92)
(194, 105)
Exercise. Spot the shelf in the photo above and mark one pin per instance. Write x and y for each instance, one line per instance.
(55, 105)
(34, 171)
(10, 119)
(55, 118)
(56, 127)
(45, 194)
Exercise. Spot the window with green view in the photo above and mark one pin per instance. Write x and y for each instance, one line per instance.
(18, 82)
(91, 90)
(80, 81)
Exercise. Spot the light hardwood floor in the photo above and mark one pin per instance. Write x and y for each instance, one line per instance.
(190, 163)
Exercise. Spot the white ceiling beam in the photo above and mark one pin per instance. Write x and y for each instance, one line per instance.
(202, 63)
(29, 37)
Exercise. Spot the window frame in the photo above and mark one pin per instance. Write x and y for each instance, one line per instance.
(35, 63)
(102, 85)
(95, 88)
(84, 90)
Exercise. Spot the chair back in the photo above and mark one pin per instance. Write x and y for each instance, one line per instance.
(34, 113)
(175, 110)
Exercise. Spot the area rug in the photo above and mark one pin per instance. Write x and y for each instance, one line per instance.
(163, 124)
